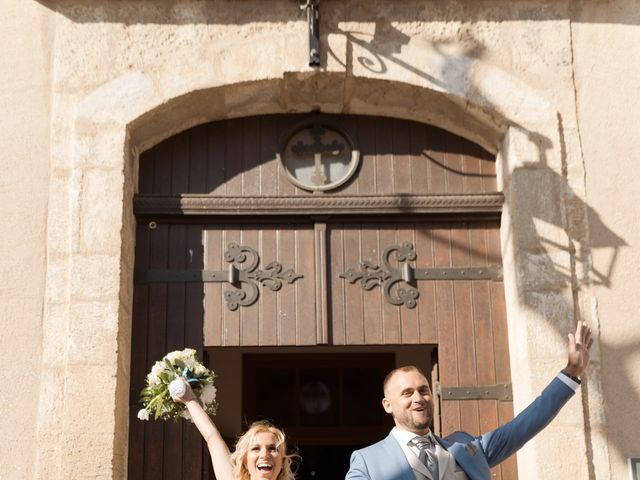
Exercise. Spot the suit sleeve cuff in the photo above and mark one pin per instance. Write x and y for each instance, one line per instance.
(572, 384)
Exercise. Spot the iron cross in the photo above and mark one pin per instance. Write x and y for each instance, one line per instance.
(318, 149)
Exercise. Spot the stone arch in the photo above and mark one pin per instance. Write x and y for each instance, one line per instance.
(326, 92)
(91, 243)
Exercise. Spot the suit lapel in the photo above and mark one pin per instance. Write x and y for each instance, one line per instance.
(398, 458)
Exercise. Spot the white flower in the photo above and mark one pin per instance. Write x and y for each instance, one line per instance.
(158, 367)
(200, 370)
(173, 356)
(185, 414)
(208, 394)
(156, 370)
(143, 414)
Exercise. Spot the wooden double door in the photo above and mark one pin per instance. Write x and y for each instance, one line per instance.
(322, 277)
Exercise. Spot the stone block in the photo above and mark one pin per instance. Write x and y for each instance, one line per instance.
(91, 452)
(93, 331)
(252, 99)
(88, 385)
(102, 147)
(302, 92)
(63, 191)
(58, 277)
(119, 100)
(101, 211)
(95, 277)
(55, 328)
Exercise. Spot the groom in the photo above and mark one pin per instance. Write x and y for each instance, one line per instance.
(412, 452)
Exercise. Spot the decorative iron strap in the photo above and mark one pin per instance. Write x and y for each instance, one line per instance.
(403, 276)
(500, 392)
(237, 256)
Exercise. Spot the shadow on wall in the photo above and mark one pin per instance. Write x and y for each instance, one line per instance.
(387, 41)
(563, 209)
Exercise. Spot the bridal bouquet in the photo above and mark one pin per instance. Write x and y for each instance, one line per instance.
(156, 396)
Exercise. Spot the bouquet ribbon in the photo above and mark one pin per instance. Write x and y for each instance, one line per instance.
(185, 375)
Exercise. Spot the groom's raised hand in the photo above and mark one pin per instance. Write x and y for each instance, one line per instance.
(579, 350)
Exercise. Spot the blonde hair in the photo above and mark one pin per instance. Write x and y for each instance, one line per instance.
(239, 456)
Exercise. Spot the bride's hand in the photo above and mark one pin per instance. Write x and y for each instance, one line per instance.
(188, 392)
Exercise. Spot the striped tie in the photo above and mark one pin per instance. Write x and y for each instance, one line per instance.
(426, 454)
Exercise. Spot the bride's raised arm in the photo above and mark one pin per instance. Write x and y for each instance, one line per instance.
(220, 455)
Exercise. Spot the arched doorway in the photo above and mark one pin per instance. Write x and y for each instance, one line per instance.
(404, 252)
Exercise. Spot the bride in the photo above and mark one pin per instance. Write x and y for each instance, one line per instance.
(260, 453)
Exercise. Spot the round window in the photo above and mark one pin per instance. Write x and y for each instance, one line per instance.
(319, 156)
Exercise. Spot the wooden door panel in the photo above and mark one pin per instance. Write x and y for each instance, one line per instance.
(427, 307)
(361, 317)
(465, 318)
(270, 301)
(238, 157)
(283, 317)
(372, 315)
(464, 333)
(166, 316)
(353, 311)
(445, 319)
(138, 359)
(286, 312)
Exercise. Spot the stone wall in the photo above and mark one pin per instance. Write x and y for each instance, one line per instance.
(605, 35)
(545, 85)
(26, 35)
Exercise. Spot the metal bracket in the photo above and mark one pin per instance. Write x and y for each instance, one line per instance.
(404, 276)
(500, 392)
(313, 20)
(236, 255)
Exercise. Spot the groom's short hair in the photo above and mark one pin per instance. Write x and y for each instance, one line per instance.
(406, 368)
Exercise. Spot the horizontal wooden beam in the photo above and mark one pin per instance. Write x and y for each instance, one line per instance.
(196, 204)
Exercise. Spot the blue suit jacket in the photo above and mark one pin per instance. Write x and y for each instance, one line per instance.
(385, 460)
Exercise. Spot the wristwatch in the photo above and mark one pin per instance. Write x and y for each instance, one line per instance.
(575, 379)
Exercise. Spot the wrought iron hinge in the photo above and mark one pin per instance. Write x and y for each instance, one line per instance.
(236, 255)
(500, 392)
(313, 20)
(404, 276)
